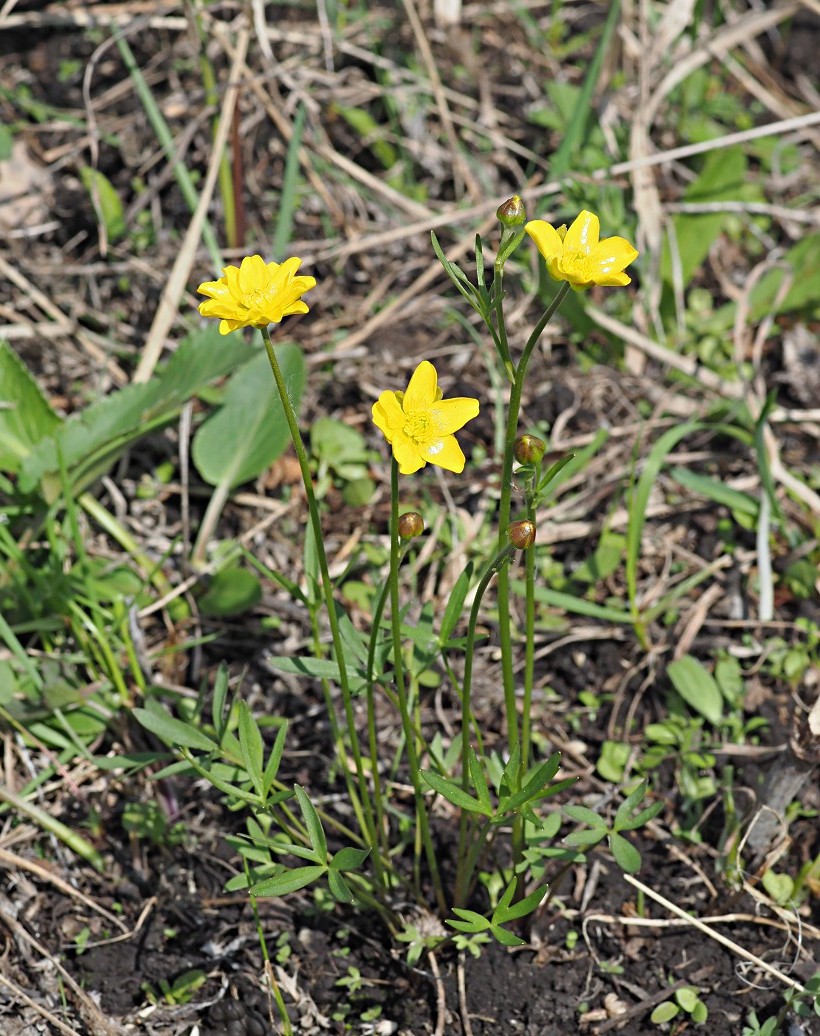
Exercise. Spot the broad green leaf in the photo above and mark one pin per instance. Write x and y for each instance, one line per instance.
(231, 591)
(291, 881)
(339, 887)
(584, 815)
(722, 177)
(626, 855)
(664, 1012)
(173, 731)
(697, 687)
(348, 859)
(25, 416)
(106, 202)
(584, 839)
(249, 431)
(687, 998)
(94, 438)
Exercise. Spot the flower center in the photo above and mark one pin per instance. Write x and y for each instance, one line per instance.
(418, 426)
(577, 265)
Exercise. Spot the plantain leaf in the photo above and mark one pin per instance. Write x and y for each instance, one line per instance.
(249, 431)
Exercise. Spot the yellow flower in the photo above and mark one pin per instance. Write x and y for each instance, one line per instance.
(255, 294)
(419, 424)
(578, 256)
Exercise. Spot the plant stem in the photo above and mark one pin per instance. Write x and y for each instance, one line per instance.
(366, 821)
(404, 712)
(503, 591)
(463, 871)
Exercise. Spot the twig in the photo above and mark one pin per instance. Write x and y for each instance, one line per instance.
(717, 936)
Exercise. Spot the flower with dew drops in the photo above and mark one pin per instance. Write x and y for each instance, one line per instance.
(255, 294)
(419, 424)
(578, 256)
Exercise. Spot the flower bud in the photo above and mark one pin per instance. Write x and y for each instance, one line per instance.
(521, 534)
(411, 525)
(529, 449)
(512, 213)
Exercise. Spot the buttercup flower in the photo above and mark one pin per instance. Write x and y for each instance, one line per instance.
(255, 294)
(578, 256)
(419, 424)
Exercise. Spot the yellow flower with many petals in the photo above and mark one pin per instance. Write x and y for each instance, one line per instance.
(419, 424)
(255, 294)
(578, 256)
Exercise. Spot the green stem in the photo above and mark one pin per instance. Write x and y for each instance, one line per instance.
(422, 819)
(463, 872)
(366, 821)
(503, 592)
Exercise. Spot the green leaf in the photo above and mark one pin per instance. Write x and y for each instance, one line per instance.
(250, 743)
(585, 816)
(626, 855)
(106, 202)
(249, 431)
(93, 439)
(25, 416)
(664, 1012)
(716, 491)
(231, 591)
(291, 881)
(312, 822)
(274, 759)
(453, 793)
(697, 687)
(506, 912)
(218, 714)
(586, 838)
(574, 605)
(339, 887)
(722, 177)
(640, 499)
(479, 781)
(305, 665)
(348, 859)
(455, 604)
(173, 731)
(687, 998)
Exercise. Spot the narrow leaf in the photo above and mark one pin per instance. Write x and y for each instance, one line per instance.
(453, 792)
(174, 731)
(312, 822)
(290, 881)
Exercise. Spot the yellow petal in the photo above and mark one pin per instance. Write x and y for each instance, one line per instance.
(254, 275)
(613, 255)
(583, 235)
(388, 416)
(421, 392)
(545, 237)
(445, 452)
(452, 414)
(407, 454)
